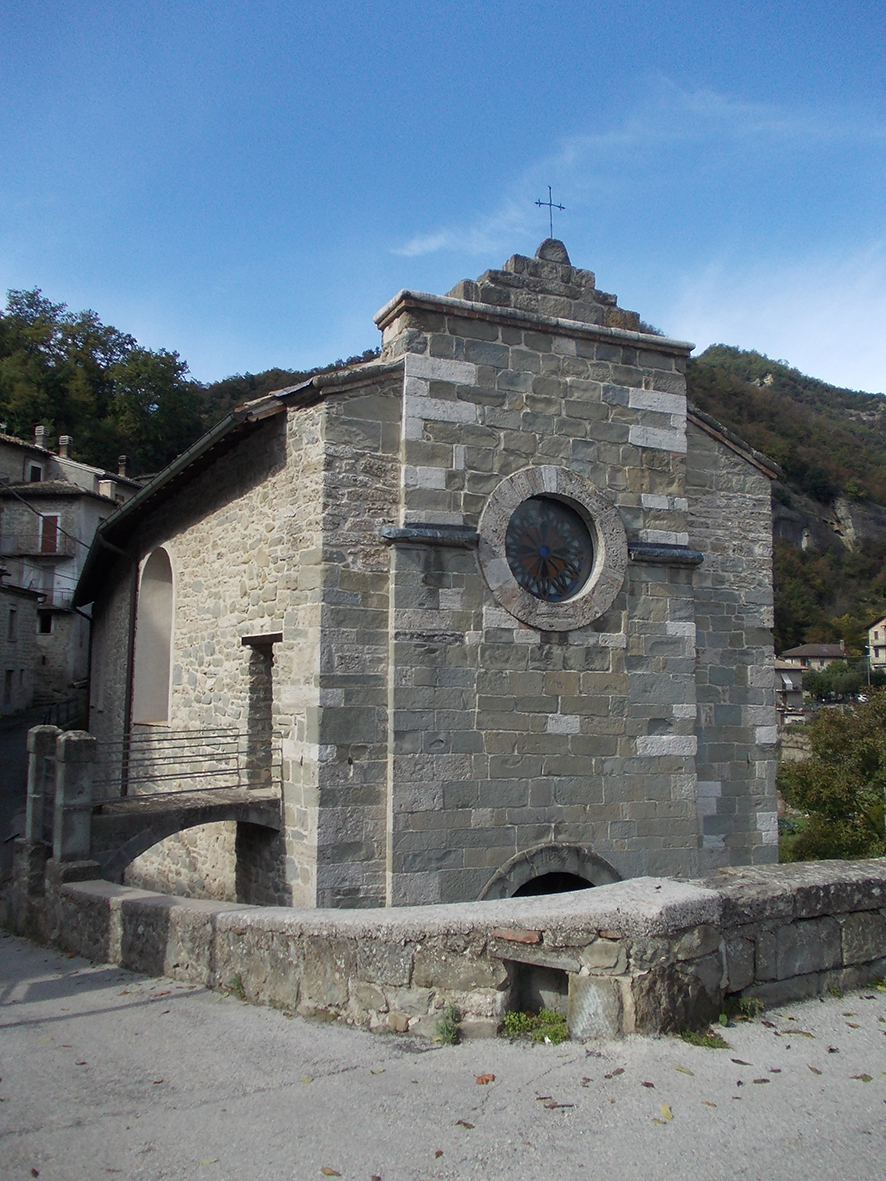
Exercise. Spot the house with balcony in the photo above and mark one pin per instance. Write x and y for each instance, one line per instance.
(50, 507)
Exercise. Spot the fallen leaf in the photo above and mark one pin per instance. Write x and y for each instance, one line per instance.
(208, 1160)
(849, 1014)
(741, 1062)
(666, 1111)
(775, 1070)
(307, 1079)
(708, 1103)
(815, 1070)
(762, 1080)
(800, 1032)
(81, 1063)
(35, 1172)
(438, 1153)
(618, 1070)
(157, 1081)
(684, 1070)
(381, 1070)
(551, 1104)
(833, 1050)
(463, 1123)
(862, 1078)
(768, 1024)
(483, 1079)
(327, 1172)
(648, 1085)
(659, 1121)
(853, 1025)
(538, 1098)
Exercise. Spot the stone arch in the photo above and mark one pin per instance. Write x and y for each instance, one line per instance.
(152, 660)
(555, 857)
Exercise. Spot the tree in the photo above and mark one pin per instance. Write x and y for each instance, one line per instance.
(75, 375)
(836, 681)
(842, 785)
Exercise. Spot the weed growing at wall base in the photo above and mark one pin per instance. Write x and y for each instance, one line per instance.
(542, 1026)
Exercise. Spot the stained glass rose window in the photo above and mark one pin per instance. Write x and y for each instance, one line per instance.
(549, 549)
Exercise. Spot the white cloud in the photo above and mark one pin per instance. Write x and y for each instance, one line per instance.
(826, 316)
(588, 166)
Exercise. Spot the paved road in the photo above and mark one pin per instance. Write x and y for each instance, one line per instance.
(106, 1074)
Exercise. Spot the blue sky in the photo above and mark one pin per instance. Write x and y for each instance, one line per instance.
(247, 183)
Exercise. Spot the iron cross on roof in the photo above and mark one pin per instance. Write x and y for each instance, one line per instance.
(551, 205)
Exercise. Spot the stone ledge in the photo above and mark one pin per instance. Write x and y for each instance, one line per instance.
(642, 955)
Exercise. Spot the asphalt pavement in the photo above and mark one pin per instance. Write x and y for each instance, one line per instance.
(104, 1073)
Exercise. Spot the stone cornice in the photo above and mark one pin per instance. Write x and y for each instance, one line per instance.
(407, 300)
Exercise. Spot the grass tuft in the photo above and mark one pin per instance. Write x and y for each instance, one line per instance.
(545, 1025)
(708, 1039)
(447, 1026)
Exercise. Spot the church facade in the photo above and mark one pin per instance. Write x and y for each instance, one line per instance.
(504, 600)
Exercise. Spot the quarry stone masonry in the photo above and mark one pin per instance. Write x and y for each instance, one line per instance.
(497, 606)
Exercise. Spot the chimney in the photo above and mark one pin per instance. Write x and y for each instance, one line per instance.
(40, 436)
(122, 463)
(65, 443)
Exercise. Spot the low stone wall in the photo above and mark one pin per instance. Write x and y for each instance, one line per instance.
(645, 955)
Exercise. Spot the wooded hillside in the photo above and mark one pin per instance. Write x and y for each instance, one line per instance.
(75, 375)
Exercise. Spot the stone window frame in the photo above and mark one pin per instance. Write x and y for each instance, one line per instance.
(607, 532)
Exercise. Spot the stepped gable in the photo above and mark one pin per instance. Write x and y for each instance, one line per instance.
(548, 285)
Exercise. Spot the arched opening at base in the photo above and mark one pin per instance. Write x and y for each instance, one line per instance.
(552, 883)
(554, 867)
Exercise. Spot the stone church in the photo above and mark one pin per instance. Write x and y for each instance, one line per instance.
(500, 600)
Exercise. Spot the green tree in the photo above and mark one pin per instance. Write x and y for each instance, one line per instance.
(842, 785)
(75, 375)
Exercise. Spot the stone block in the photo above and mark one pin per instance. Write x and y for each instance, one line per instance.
(700, 941)
(811, 945)
(437, 967)
(864, 937)
(366, 998)
(384, 962)
(605, 955)
(595, 1007)
(739, 964)
(473, 1028)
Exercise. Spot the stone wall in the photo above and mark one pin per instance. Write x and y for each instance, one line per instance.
(18, 648)
(730, 523)
(648, 955)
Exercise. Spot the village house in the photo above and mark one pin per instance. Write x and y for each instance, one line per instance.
(494, 610)
(815, 656)
(50, 507)
(877, 643)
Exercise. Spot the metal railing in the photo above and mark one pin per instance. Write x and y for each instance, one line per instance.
(178, 762)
